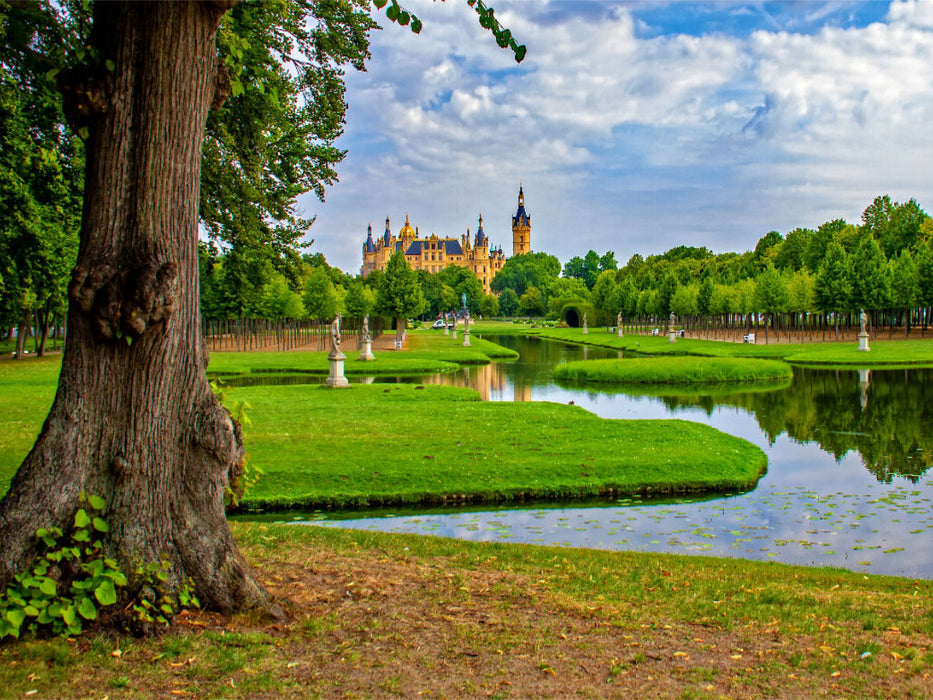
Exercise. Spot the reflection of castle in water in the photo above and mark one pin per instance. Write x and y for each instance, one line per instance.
(490, 381)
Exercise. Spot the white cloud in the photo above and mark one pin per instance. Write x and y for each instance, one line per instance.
(666, 139)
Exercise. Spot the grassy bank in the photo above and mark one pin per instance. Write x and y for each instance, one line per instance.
(674, 370)
(883, 352)
(406, 444)
(393, 615)
(394, 444)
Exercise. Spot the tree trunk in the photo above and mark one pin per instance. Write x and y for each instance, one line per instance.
(134, 420)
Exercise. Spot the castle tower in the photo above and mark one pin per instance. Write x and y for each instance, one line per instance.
(521, 227)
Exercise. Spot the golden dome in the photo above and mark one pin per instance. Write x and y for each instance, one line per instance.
(407, 231)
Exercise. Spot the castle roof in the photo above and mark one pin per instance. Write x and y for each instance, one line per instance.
(521, 217)
(369, 246)
(451, 247)
(480, 234)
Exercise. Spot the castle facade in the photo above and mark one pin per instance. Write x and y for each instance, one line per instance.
(435, 253)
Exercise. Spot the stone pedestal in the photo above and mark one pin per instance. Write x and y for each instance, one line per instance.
(672, 336)
(455, 332)
(367, 354)
(619, 331)
(466, 339)
(336, 378)
(863, 342)
(446, 328)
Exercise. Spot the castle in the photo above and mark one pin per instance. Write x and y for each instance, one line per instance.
(434, 254)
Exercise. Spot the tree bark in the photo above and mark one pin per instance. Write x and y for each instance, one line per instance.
(134, 420)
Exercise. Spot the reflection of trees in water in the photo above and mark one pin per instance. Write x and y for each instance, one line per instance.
(893, 432)
(538, 358)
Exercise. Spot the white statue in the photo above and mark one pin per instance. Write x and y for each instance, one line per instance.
(335, 335)
(367, 338)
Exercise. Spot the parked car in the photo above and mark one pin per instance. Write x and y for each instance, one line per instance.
(439, 323)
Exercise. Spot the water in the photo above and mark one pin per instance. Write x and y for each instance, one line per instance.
(847, 483)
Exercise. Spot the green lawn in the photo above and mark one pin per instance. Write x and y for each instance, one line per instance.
(379, 444)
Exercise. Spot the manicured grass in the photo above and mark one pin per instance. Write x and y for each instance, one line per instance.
(376, 445)
(674, 370)
(374, 614)
(27, 388)
(883, 352)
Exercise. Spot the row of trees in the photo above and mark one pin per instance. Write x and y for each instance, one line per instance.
(884, 266)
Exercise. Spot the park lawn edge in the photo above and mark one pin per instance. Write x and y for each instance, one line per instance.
(489, 452)
(681, 370)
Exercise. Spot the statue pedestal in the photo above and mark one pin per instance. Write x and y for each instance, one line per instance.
(446, 328)
(672, 336)
(586, 330)
(466, 339)
(455, 332)
(367, 354)
(336, 378)
(619, 331)
(863, 342)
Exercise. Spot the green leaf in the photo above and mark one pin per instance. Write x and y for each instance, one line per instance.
(393, 12)
(87, 609)
(16, 617)
(101, 525)
(415, 25)
(109, 65)
(69, 614)
(106, 594)
(31, 610)
(380, 3)
(404, 18)
(502, 38)
(520, 53)
(82, 519)
(96, 502)
(82, 536)
(49, 587)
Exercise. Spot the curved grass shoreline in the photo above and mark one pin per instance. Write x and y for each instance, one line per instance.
(674, 370)
(448, 447)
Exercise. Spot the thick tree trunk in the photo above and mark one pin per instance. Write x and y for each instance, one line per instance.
(134, 420)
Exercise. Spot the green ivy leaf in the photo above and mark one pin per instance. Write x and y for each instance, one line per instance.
(520, 53)
(380, 3)
(404, 18)
(16, 617)
(96, 502)
(49, 587)
(87, 610)
(393, 12)
(101, 525)
(68, 614)
(106, 594)
(82, 519)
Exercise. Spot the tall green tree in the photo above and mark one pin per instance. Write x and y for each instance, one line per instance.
(527, 270)
(833, 290)
(904, 286)
(508, 302)
(868, 276)
(399, 296)
(152, 440)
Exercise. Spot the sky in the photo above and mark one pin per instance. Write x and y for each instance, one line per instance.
(634, 126)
